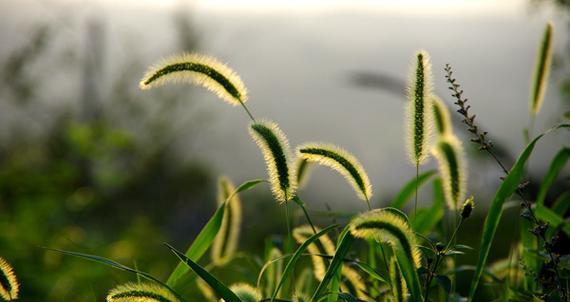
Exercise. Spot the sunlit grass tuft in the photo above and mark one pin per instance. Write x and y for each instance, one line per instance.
(385, 226)
(9, 286)
(275, 148)
(341, 161)
(226, 242)
(201, 70)
(141, 292)
(452, 167)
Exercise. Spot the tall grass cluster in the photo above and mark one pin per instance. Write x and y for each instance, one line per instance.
(391, 253)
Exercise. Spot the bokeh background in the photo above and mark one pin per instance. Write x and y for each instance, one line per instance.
(90, 163)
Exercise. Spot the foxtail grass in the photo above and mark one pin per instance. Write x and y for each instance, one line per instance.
(303, 171)
(397, 282)
(9, 286)
(419, 115)
(135, 292)
(246, 292)
(275, 149)
(540, 76)
(325, 246)
(201, 70)
(385, 226)
(451, 162)
(441, 118)
(341, 161)
(226, 241)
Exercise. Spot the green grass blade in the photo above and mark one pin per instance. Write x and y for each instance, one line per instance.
(428, 218)
(291, 263)
(408, 191)
(206, 236)
(369, 270)
(554, 170)
(119, 266)
(345, 242)
(221, 290)
(507, 188)
(562, 203)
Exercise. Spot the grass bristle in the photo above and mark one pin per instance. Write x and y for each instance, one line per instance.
(200, 70)
(419, 110)
(542, 70)
(341, 161)
(385, 226)
(141, 292)
(9, 286)
(452, 167)
(275, 148)
(226, 242)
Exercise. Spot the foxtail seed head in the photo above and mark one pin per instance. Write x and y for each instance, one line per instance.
(441, 119)
(419, 110)
(323, 246)
(542, 70)
(468, 207)
(303, 171)
(399, 289)
(225, 243)
(341, 161)
(9, 286)
(451, 162)
(245, 292)
(387, 227)
(147, 292)
(275, 148)
(200, 70)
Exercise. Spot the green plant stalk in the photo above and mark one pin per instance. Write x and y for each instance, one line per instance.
(301, 204)
(439, 257)
(416, 196)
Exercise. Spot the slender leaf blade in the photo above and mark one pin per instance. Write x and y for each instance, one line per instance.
(506, 189)
(291, 263)
(408, 191)
(219, 288)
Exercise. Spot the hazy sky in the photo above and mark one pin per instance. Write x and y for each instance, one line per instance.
(298, 62)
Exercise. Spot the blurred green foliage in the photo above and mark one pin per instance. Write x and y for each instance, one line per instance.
(93, 183)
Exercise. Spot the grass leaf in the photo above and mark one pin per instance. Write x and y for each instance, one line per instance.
(221, 290)
(507, 188)
(116, 265)
(345, 242)
(291, 263)
(409, 189)
(206, 236)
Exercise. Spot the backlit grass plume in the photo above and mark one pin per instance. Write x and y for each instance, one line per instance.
(542, 70)
(325, 246)
(451, 163)
(9, 286)
(141, 292)
(303, 171)
(398, 284)
(418, 110)
(275, 148)
(341, 161)
(322, 246)
(385, 226)
(245, 292)
(441, 118)
(201, 70)
(225, 243)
